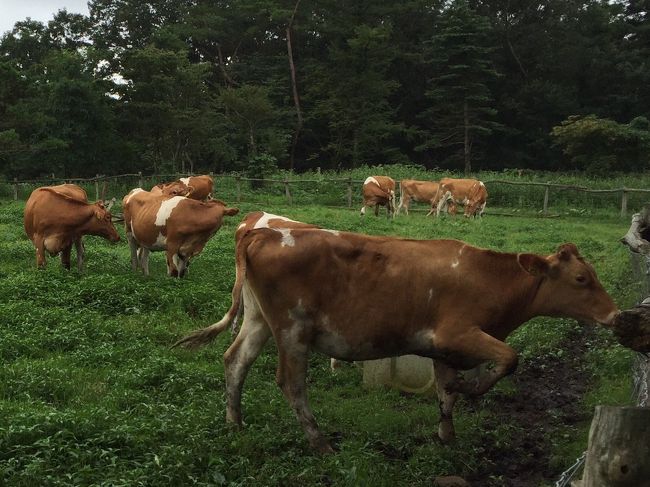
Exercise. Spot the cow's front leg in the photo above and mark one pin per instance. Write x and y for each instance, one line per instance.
(481, 347)
(445, 377)
(79, 247)
(291, 377)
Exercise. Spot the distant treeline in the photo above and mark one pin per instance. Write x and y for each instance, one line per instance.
(254, 85)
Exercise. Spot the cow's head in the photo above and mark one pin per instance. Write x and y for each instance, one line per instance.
(103, 223)
(569, 286)
(177, 188)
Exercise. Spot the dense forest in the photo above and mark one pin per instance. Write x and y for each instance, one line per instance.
(211, 85)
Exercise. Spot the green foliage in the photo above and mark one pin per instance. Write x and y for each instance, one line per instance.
(155, 86)
(601, 146)
(460, 112)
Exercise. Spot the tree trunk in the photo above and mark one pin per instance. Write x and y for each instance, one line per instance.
(294, 86)
(619, 448)
(638, 235)
(466, 144)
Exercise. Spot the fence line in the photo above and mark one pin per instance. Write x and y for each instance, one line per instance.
(348, 182)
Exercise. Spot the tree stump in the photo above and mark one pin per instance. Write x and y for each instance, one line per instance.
(637, 237)
(619, 448)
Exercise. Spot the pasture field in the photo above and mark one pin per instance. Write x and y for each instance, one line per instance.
(91, 394)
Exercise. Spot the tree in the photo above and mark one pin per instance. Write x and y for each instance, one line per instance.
(601, 146)
(461, 110)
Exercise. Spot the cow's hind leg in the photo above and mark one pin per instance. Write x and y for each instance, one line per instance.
(242, 353)
(65, 256)
(445, 376)
(79, 247)
(133, 246)
(39, 243)
(291, 377)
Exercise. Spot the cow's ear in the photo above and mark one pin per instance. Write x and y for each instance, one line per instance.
(533, 264)
(230, 211)
(566, 250)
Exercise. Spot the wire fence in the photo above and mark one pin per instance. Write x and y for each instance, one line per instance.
(518, 197)
(640, 265)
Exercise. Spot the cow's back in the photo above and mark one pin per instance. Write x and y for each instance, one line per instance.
(326, 275)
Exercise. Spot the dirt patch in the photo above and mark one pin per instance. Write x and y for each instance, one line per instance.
(548, 397)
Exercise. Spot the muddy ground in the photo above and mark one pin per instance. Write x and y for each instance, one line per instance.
(548, 398)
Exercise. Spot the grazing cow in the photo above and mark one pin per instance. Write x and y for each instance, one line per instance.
(261, 219)
(379, 190)
(413, 190)
(471, 193)
(180, 226)
(56, 217)
(195, 187)
(359, 297)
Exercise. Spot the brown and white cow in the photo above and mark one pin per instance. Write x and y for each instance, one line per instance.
(421, 191)
(379, 191)
(282, 224)
(359, 297)
(56, 217)
(195, 187)
(180, 226)
(471, 193)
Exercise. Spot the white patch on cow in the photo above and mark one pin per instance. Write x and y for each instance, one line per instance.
(177, 261)
(333, 232)
(369, 180)
(160, 243)
(185, 181)
(287, 238)
(465, 201)
(263, 222)
(454, 264)
(460, 250)
(132, 193)
(430, 295)
(481, 183)
(165, 210)
(241, 225)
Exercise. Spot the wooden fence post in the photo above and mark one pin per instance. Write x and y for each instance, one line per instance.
(15, 189)
(546, 191)
(287, 193)
(96, 187)
(618, 448)
(238, 181)
(140, 181)
(624, 203)
(349, 192)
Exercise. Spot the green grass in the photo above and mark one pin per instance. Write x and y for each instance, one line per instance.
(91, 394)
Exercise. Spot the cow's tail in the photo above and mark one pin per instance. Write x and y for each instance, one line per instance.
(202, 337)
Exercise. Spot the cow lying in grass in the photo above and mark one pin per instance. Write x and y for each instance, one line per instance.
(359, 297)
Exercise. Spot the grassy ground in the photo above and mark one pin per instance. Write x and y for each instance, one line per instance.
(91, 394)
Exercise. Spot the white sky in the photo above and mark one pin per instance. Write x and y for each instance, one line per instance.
(12, 11)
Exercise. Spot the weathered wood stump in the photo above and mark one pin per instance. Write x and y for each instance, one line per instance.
(632, 327)
(637, 237)
(619, 448)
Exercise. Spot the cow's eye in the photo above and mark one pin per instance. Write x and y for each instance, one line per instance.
(581, 279)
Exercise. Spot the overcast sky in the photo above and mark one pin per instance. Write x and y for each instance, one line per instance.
(11, 11)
